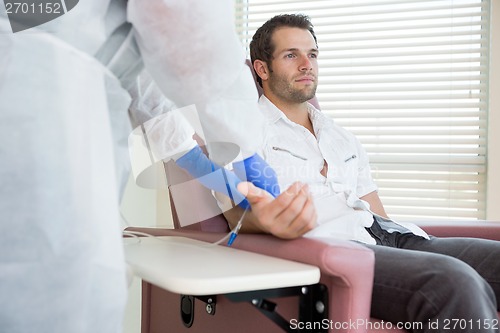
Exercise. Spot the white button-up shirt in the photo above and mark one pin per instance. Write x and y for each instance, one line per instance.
(298, 155)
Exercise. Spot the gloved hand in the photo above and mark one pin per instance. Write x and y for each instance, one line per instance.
(255, 170)
(212, 175)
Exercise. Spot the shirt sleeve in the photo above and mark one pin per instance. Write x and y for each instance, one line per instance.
(365, 183)
(177, 40)
(168, 132)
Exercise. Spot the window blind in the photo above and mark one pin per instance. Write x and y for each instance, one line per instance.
(410, 80)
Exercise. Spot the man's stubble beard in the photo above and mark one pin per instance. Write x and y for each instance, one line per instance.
(280, 87)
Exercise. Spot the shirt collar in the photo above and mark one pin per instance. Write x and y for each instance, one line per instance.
(271, 111)
(273, 114)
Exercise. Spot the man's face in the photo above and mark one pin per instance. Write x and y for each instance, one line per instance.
(294, 68)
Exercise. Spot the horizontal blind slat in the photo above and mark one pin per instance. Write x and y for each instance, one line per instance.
(374, 63)
(432, 195)
(347, 105)
(337, 4)
(432, 213)
(419, 131)
(437, 204)
(454, 186)
(421, 167)
(405, 88)
(428, 79)
(426, 159)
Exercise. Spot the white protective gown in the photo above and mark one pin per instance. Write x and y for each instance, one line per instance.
(63, 133)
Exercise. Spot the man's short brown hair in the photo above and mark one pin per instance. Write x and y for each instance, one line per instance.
(261, 46)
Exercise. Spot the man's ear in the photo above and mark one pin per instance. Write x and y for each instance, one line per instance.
(261, 69)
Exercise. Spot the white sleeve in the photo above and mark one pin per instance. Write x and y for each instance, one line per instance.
(167, 131)
(147, 100)
(192, 51)
(365, 183)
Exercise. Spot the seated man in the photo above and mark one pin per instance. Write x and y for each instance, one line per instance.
(330, 194)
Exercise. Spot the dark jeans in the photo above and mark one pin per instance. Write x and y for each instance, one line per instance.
(441, 284)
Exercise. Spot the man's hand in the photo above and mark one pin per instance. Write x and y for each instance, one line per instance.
(288, 216)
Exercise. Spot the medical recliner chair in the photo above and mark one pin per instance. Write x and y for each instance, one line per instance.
(341, 301)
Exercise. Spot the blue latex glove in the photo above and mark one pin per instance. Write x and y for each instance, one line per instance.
(212, 175)
(255, 170)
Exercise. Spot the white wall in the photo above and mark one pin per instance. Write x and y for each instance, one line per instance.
(493, 185)
(146, 208)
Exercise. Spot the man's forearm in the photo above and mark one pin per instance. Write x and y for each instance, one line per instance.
(376, 205)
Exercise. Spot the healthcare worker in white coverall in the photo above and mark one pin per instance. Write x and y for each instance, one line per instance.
(63, 154)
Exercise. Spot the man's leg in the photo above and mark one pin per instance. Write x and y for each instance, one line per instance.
(438, 292)
(481, 254)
